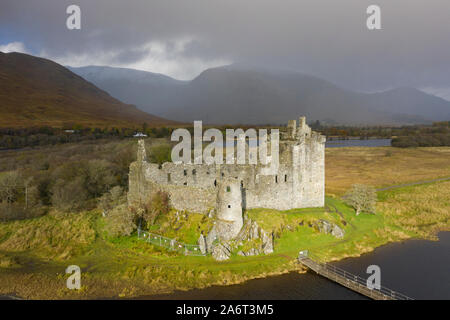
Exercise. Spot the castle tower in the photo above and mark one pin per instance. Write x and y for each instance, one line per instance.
(302, 122)
(141, 153)
(229, 208)
(138, 188)
(291, 129)
(303, 129)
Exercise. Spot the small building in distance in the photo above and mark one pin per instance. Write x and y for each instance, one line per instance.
(140, 135)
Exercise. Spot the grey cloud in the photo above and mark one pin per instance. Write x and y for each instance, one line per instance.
(129, 56)
(326, 38)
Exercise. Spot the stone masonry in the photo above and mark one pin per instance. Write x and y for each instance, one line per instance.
(231, 188)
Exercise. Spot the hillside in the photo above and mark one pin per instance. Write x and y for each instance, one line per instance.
(151, 92)
(38, 92)
(237, 94)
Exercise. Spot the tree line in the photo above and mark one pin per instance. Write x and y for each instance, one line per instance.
(343, 132)
(14, 138)
(68, 178)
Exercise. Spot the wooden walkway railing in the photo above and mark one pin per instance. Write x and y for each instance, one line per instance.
(347, 279)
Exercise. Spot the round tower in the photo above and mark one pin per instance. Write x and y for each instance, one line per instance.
(229, 208)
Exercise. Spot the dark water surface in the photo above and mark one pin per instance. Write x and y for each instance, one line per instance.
(418, 268)
(291, 286)
(358, 143)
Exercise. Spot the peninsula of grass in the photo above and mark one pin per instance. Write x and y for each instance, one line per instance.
(34, 253)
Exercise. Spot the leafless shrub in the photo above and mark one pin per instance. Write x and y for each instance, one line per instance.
(120, 221)
(68, 196)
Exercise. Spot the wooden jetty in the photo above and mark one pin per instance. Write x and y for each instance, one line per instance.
(347, 279)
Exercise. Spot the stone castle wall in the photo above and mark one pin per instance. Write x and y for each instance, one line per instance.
(299, 182)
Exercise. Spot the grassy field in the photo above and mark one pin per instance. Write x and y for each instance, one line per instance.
(34, 253)
(383, 166)
(420, 210)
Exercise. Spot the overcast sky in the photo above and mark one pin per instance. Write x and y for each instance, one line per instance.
(181, 38)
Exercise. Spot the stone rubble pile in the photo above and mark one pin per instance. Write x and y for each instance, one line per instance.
(221, 249)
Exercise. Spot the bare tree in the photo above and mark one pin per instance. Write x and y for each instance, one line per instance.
(11, 184)
(362, 198)
(69, 196)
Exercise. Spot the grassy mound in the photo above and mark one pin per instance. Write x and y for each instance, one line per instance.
(54, 236)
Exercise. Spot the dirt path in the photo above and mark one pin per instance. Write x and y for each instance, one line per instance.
(413, 184)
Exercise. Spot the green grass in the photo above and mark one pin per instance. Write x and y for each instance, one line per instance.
(34, 253)
(186, 228)
(420, 210)
(362, 232)
(59, 236)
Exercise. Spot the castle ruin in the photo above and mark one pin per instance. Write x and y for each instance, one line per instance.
(228, 189)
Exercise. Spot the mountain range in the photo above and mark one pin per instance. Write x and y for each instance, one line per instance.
(36, 92)
(248, 95)
(40, 92)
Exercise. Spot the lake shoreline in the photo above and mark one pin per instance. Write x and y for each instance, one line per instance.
(303, 271)
(414, 212)
(298, 269)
